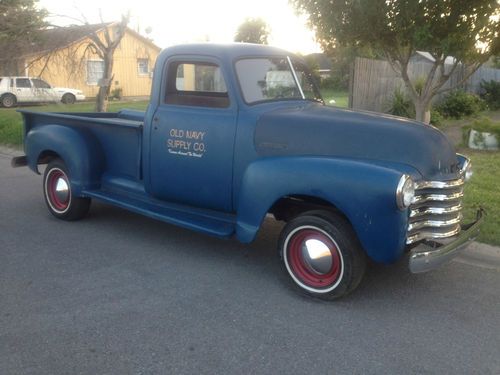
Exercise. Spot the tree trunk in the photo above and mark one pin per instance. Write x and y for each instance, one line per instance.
(105, 84)
(423, 112)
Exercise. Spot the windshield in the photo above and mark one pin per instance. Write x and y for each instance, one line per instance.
(275, 78)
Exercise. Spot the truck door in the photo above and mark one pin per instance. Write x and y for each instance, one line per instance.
(192, 136)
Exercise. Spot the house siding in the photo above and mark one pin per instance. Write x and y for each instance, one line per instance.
(68, 66)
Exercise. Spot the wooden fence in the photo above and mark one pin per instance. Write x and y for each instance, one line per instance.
(373, 82)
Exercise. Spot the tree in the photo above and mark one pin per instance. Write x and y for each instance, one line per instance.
(104, 46)
(468, 30)
(20, 23)
(252, 30)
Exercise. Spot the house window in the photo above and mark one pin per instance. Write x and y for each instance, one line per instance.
(143, 67)
(95, 71)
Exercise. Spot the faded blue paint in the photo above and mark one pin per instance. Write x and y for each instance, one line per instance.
(255, 155)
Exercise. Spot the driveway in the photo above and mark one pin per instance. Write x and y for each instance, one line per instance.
(117, 293)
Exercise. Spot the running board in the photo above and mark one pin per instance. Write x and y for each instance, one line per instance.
(205, 221)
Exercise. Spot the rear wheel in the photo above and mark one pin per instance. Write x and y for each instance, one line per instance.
(8, 101)
(322, 254)
(68, 98)
(58, 195)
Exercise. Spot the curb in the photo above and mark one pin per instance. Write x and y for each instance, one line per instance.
(480, 255)
(9, 151)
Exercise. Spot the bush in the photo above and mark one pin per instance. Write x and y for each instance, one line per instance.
(458, 104)
(116, 93)
(436, 117)
(335, 82)
(401, 105)
(490, 93)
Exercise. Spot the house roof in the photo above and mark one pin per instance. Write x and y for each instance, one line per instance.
(450, 60)
(324, 62)
(60, 37)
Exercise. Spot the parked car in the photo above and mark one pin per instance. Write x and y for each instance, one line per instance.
(24, 90)
(235, 133)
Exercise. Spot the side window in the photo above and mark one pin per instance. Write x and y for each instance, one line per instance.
(23, 83)
(39, 84)
(196, 84)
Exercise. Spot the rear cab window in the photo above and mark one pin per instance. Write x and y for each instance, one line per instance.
(198, 84)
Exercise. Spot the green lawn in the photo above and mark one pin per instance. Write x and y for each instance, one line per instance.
(11, 120)
(483, 191)
(341, 97)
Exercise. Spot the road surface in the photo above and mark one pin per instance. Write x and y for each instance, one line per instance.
(118, 293)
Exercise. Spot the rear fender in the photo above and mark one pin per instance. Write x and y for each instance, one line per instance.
(363, 192)
(79, 149)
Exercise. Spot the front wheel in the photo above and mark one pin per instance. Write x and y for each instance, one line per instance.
(322, 254)
(58, 195)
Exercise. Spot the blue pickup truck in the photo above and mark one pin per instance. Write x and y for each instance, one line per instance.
(234, 133)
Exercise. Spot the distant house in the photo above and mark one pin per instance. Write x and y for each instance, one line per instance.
(426, 57)
(64, 58)
(323, 63)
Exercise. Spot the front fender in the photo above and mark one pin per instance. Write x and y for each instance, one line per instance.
(365, 193)
(79, 150)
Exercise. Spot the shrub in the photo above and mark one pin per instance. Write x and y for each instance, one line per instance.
(436, 117)
(116, 93)
(490, 93)
(401, 105)
(458, 104)
(335, 82)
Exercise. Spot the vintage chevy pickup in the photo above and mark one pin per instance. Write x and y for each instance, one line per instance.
(234, 133)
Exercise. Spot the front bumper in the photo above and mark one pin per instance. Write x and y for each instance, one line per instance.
(425, 257)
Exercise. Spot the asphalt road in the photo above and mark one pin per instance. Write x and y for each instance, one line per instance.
(118, 293)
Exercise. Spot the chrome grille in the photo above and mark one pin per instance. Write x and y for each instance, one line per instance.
(436, 210)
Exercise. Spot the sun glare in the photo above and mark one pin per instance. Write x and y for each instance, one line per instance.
(189, 21)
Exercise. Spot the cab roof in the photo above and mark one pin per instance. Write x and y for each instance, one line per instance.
(229, 51)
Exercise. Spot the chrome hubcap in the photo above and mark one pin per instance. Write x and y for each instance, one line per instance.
(317, 256)
(62, 190)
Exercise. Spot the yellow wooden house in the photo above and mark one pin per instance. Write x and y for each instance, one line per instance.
(65, 58)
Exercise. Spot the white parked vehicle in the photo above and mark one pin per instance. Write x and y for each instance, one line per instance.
(21, 90)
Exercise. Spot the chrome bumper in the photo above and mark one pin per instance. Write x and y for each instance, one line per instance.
(424, 258)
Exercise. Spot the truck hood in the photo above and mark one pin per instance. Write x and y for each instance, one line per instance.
(320, 130)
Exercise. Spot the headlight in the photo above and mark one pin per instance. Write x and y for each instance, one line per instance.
(467, 170)
(405, 192)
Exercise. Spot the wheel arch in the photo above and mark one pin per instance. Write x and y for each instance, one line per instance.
(80, 153)
(363, 193)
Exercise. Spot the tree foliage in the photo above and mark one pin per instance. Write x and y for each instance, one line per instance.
(20, 23)
(252, 30)
(468, 30)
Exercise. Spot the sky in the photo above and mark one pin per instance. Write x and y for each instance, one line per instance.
(185, 21)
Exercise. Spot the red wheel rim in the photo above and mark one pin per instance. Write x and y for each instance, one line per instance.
(299, 266)
(52, 180)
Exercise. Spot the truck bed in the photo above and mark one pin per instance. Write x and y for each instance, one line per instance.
(118, 136)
